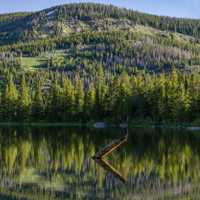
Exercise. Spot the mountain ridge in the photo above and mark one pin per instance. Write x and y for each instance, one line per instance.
(100, 4)
(71, 18)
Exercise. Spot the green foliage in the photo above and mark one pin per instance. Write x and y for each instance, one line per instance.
(24, 100)
(37, 110)
(79, 96)
(9, 101)
(59, 98)
(89, 102)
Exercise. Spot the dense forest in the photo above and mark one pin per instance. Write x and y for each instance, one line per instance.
(57, 98)
(85, 62)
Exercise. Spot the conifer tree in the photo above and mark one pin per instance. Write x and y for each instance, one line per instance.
(38, 102)
(79, 96)
(24, 100)
(10, 100)
(89, 102)
(101, 91)
(124, 101)
(68, 100)
(172, 94)
(54, 109)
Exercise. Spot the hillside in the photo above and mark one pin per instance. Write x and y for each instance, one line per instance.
(70, 18)
(92, 61)
(131, 39)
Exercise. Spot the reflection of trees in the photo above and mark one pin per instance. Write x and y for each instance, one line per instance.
(168, 159)
(58, 160)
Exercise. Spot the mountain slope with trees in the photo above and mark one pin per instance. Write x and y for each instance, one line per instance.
(61, 20)
(81, 62)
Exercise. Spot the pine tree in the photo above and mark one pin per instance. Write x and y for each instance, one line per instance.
(172, 93)
(184, 103)
(124, 97)
(138, 107)
(89, 102)
(101, 91)
(54, 108)
(112, 100)
(24, 100)
(10, 101)
(68, 100)
(161, 98)
(38, 102)
(79, 96)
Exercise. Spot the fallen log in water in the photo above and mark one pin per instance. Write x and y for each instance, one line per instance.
(99, 157)
(110, 147)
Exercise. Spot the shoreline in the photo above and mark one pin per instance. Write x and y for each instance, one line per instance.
(105, 125)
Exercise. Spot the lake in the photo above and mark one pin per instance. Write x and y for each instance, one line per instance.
(58, 163)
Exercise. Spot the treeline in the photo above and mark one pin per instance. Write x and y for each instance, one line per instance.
(61, 98)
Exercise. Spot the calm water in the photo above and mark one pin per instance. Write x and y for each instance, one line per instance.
(56, 163)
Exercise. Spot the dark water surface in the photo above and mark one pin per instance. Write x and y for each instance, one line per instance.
(57, 163)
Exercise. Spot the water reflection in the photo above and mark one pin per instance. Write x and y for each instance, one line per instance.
(55, 163)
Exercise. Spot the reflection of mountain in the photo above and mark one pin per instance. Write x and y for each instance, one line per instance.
(54, 164)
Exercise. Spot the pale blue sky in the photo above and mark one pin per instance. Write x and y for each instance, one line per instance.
(178, 8)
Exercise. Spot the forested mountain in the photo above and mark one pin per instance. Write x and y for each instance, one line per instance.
(92, 61)
(62, 20)
(107, 35)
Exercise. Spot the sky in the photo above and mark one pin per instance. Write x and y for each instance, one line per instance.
(174, 8)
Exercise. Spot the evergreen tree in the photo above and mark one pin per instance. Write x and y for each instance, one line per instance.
(38, 102)
(79, 96)
(89, 102)
(54, 110)
(124, 100)
(10, 101)
(183, 104)
(24, 100)
(68, 100)
(101, 91)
